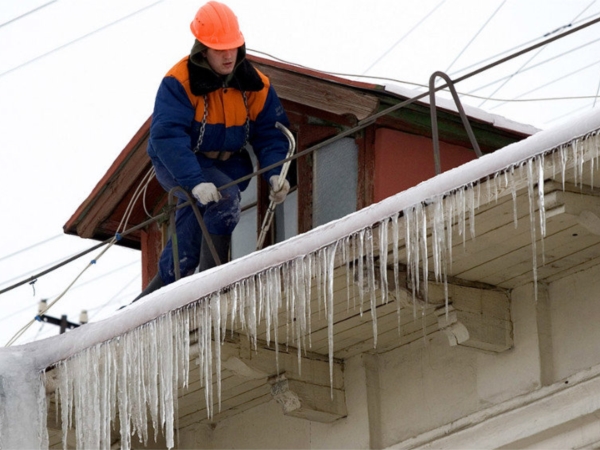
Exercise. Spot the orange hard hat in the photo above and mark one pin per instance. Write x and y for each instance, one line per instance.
(216, 26)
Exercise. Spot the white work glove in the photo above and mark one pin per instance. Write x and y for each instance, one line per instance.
(278, 196)
(206, 193)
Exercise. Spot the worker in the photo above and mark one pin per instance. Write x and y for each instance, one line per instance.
(208, 108)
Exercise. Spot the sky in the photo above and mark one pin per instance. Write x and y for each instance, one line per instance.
(78, 79)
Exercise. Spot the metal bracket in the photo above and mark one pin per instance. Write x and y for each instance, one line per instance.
(434, 124)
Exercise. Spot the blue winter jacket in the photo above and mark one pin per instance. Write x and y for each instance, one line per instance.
(179, 113)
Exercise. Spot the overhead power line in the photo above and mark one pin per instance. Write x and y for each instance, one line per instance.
(26, 14)
(403, 37)
(31, 246)
(526, 63)
(537, 88)
(56, 49)
(476, 34)
(411, 83)
(508, 77)
(525, 44)
(584, 10)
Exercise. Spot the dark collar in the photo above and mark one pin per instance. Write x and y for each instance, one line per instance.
(244, 78)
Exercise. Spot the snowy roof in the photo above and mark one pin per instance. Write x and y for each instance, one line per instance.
(192, 288)
(248, 290)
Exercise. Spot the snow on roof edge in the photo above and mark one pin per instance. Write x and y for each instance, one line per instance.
(398, 88)
(471, 111)
(48, 351)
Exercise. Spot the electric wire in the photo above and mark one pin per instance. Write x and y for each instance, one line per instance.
(19, 333)
(525, 44)
(39, 331)
(96, 311)
(33, 304)
(566, 52)
(104, 275)
(15, 19)
(37, 244)
(403, 37)
(551, 82)
(573, 111)
(20, 311)
(510, 77)
(476, 34)
(584, 10)
(526, 63)
(421, 85)
(141, 188)
(54, 264)
(80, 38)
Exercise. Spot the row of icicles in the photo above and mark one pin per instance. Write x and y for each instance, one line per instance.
(136, 376)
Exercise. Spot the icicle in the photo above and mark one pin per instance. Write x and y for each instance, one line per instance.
(361, 270)
(563, 161)
(138, 374)
(541, 204)
(531, 197)
(290, 304)
(472, 205)
(370, 263)
(251, 305)
(152, 375)
(409, 239)
(330, 260)
(234, 304)
(308, 296)
(438, 238)
(425, 258)
(395, 244)
(383, 259)
(297, 276)
(352, 242)
(274, 284)
(42, 408)
(449, 216)
(461, 211)
(513, 190)
(317, 261)
(595, 142)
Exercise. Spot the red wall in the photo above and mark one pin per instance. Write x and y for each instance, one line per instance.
(404, 160)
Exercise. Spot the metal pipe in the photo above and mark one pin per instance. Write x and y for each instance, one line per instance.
(434, 123)
(284, 170)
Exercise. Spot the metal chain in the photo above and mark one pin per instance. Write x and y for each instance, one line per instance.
(247, 125)
(202, 126)
(204, 117)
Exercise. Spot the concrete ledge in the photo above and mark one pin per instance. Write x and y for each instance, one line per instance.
(529, 419)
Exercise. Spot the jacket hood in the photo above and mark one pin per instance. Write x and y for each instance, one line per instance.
(203, 79)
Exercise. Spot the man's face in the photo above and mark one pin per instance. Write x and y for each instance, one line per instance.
(222, 61)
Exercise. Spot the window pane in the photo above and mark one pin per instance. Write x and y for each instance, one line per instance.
(244, 238)
(336, 178)
(286, 217)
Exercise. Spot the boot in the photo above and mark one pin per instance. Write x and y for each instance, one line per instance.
(221, 243)
(155, 283)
